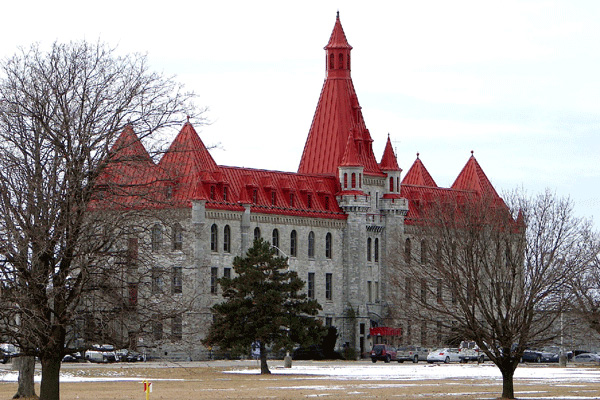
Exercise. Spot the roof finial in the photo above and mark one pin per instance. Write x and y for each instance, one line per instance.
(417, 155)
(188, 119)
(471, 153)
(338, 14)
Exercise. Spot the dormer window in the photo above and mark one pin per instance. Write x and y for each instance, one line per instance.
(273, 198)
(212, 192)
(255, 196)
(291, 199)
(326, 202)
(225, 193)
(309, 200)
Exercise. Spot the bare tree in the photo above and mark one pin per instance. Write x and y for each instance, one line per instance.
(60, 113)
(480, 270)
(585, 292)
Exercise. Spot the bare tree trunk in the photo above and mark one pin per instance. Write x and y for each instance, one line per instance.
(26, 367)
(50, 389)
(508, 389)
(264, 368)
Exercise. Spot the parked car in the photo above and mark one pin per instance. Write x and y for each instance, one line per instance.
(587, 358)
(532, 356)
(412, 353)
(445, 355)
(312, 352)
(469, 351)
(102, 353)
(7, 351)
(383, 352)
(73, 357)
(126, 355)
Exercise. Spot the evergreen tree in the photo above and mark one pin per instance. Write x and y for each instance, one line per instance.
(264, 304)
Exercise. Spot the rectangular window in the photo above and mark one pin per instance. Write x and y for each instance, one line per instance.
(176, 327)
(177, 280)
(133, 294)
(157, 328)
(157, 280)
(328, 321)
(377, 291)
(328, 286)
(273, 198)
(369, 292)
(227, 273)
(132, 250)
(254, 196)
(291, 199)
(311, 285)
(213, 279)
(225, 193)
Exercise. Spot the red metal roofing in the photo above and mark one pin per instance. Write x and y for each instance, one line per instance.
(389, 162)
(350, 158)
(338, 115)
(473, 178)
(418, 175)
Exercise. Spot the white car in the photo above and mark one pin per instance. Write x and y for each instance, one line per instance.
(586, 358)
(445, 355)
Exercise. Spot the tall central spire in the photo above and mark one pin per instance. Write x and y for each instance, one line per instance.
(338, 116)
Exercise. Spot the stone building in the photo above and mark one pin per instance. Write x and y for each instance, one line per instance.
(336, 218)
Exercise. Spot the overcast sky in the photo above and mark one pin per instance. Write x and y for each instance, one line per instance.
(517, 82)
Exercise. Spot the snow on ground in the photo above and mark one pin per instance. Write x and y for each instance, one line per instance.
(434, 371)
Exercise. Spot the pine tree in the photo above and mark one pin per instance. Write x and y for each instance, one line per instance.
(264, 304)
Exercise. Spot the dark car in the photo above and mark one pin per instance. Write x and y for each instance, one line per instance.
(532, 356)
(383, 352)
(308, 353)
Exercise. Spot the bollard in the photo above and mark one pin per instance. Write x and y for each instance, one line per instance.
(147, 388)
(287, 361)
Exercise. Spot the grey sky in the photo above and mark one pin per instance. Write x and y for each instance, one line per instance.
(517, 82)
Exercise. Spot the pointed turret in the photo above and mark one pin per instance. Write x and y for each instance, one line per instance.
(128, 147)
(473, 178)
(338, 114)
(418, 175)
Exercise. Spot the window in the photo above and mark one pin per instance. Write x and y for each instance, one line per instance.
(132, 250)
(377, 291)
(328, 245)
(291, 199)
(391, 184)
(328, 286)
(311, 285)
(227, 239)
(376, 250)
(157, 328)
(293, 244)
(224, 193)
(177, 237)
(345, 180)
(273, 198)
(327, 202)
(328, 321)
(369, 292)
(275, 241)
(176, 280)
(227, 273)
(212, 192)
(423, 291)
(407, 289)
(255, 196)
(369, 249)
(311, 245)
(331, 61)
(156, 238)
(256, 233)
(309, 200)
(176, 327)
(407, 250)
(157, 280)
(353, 180)
(133, 294)
(341, 61)
(214, 238)
(214, 271)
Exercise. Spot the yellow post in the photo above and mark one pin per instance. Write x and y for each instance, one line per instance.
(147, 388)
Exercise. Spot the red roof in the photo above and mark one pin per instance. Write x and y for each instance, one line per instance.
(473, 178)
(418, 175)
(389, 162)
(338, 116)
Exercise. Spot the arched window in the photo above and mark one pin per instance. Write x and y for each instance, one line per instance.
(369, 249)
(341, 61)
(227, 239)
(256, 233)
(177, 235)
(214, 238)
(353, 180)
(391, 184)
(156, 240)
(397, 184)
(376, 250)
(348, 61)
(275, 240)
(407, 251)
(345, 180)
(328, 245)
(360, 180)
(293, 244)
(311, 245)
(331, 61)
(424, 251)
